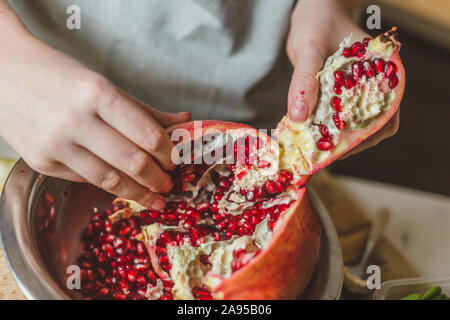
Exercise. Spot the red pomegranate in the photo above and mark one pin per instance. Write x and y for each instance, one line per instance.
(238, 222)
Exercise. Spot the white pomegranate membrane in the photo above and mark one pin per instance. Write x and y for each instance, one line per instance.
(218, 218)
(356, 85)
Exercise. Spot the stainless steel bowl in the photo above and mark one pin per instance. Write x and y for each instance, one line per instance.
(40, 239)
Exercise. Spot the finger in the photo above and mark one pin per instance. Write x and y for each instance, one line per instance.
(63, 172)
(388, 130)
(165, 119)
(138, 126)
(99, 173)
(59, 170)
(304, 86)
(125, 156)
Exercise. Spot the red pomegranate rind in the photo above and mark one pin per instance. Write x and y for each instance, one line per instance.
(284, 268)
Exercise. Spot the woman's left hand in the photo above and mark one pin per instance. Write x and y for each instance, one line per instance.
(317, 28)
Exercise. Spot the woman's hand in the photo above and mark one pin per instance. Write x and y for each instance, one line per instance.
(317, 28)
(70, 122)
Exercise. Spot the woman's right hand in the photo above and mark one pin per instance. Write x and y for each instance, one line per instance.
(70, 122)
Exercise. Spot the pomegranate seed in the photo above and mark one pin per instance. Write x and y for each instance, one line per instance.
(202, 206)
(192, 213)
(124, 231)
(179, 239)
(390, 69)
(337, 88)
(119, 296)
(151, 276)
(101, 272)
(379, 65)
(201, 293)
(140, 248)
(340, 124)
(336, 104)
(349, 83)
(102, 292)
(256, 193)
(154, 215)
(188, 178)
(323, 129)
(141, 280)
(167, 267)
(132, 276)
(215, 207)
(124, 286)
(142, 260)
(166, 296)
(324, 144)
(270, 187)
(393, 81)
(357, 70)
(108, 226)
(339, 77)
(218, 217)
(368, 69)
(241, 175)
(366, 41)
(187, 225)
(163, 259)
(356, 48)
(140, 268)
(263, 164)
(97, 225)
(346, 53)
(271, 224)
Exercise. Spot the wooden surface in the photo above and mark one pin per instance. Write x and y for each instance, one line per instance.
(9, 290)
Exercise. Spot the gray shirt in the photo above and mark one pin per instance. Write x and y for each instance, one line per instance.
(219, 59)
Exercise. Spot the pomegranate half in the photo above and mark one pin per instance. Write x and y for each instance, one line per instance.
(238, 222)
(361, 87)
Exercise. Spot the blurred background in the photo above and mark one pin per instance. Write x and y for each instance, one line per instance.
(418, 156)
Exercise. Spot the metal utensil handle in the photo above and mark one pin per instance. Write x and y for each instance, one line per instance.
(377, 227)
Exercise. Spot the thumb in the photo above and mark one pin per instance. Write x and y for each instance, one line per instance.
(302, 95)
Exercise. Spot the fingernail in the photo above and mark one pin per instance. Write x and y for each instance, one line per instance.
(298, 111)
(158, 203)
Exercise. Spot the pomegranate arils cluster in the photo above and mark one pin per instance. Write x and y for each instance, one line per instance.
(357, 49)
(116, 262)
(367, 68)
